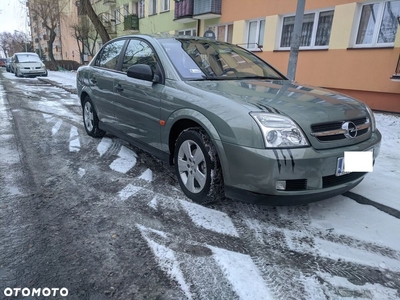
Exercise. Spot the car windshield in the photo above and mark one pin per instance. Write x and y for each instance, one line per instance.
(28, 58)
(197, 59)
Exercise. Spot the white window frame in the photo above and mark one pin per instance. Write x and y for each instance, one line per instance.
(164, 7)
(192, 30)
(377, 27)
(215, 29)
(252, 46)
(117, 15)
(153, 7)
(141, 8)
(314, 30)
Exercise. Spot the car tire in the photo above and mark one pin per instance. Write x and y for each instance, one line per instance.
(46, 74)
(90, 119)
(16, 73)
(197, 167)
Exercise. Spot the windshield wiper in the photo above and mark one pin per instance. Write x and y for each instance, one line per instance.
(263, 77)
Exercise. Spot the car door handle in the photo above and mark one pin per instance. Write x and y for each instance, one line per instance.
(93, 80)
(119, 88)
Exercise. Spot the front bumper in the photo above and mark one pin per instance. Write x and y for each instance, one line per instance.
(36, 72)
(251, 174)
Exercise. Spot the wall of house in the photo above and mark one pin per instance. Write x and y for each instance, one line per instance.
(68, 48)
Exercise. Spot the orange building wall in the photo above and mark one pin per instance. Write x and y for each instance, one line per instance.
(361, 73)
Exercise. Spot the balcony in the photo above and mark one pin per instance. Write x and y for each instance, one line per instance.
(207, 9)
(131, 22)
(183, 11)
(109, 2)
(396, 75)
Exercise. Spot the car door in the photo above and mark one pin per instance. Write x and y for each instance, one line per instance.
(101, 80)
(137, 104)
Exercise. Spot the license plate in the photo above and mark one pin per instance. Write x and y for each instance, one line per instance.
(340, 165)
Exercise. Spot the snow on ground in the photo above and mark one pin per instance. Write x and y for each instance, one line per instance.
(65, 78)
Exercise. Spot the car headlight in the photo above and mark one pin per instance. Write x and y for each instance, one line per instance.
(372, 118)
(279, 131)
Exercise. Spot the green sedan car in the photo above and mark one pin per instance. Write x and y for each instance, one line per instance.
(230, 123)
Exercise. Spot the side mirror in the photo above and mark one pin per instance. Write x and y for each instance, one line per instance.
(141, 71)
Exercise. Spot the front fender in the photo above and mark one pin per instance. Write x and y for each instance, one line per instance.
(204, 122)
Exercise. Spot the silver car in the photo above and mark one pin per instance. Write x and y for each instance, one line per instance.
(27, 64)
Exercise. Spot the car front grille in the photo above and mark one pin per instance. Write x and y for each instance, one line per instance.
(327, 132)
(333, 180)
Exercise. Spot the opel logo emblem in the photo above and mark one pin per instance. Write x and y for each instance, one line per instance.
(350, 130)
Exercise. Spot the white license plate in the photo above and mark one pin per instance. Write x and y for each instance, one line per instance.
(340, 165)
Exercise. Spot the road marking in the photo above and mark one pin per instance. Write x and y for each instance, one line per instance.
(104, 145)
(243, 274)
(56, 127)
(74, 143)
(147, 175)
(128, 191)
(209, 218)
(125, 162)
(166, 260)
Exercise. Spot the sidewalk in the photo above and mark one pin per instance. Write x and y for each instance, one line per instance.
(380, 188)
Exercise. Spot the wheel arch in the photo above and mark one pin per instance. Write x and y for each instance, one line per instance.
(184, 119)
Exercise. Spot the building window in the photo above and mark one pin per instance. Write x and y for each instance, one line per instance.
(255, 34)
(315, 33)
(191, 32)
(141, 9)
(152, 7)
(165, 5)
(126, 10)
(117, 16)
(378, 24)
(223, 33)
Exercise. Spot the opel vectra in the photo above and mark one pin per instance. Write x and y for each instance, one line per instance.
(229, 122)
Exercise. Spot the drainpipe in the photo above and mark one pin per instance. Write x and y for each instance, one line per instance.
(295, 42)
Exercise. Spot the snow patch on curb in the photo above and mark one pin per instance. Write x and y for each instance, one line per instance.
(104, 145)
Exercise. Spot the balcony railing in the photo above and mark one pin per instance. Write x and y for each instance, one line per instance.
(396, 75)
(207, 9)
(131, 22)
(183, 11)
(109, 2)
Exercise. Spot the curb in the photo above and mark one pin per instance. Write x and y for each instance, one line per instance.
(363, 200)
(66, 88)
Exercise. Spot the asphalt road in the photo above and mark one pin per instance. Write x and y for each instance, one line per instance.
(71, 217)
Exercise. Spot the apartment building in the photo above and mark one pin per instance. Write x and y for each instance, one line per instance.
(62, 13)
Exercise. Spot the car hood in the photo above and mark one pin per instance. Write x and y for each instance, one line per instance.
(300, 102)
(306, 105)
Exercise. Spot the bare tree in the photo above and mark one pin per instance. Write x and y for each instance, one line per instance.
(84, 32)
(48, 12)
(98, 25)
(12, 43)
